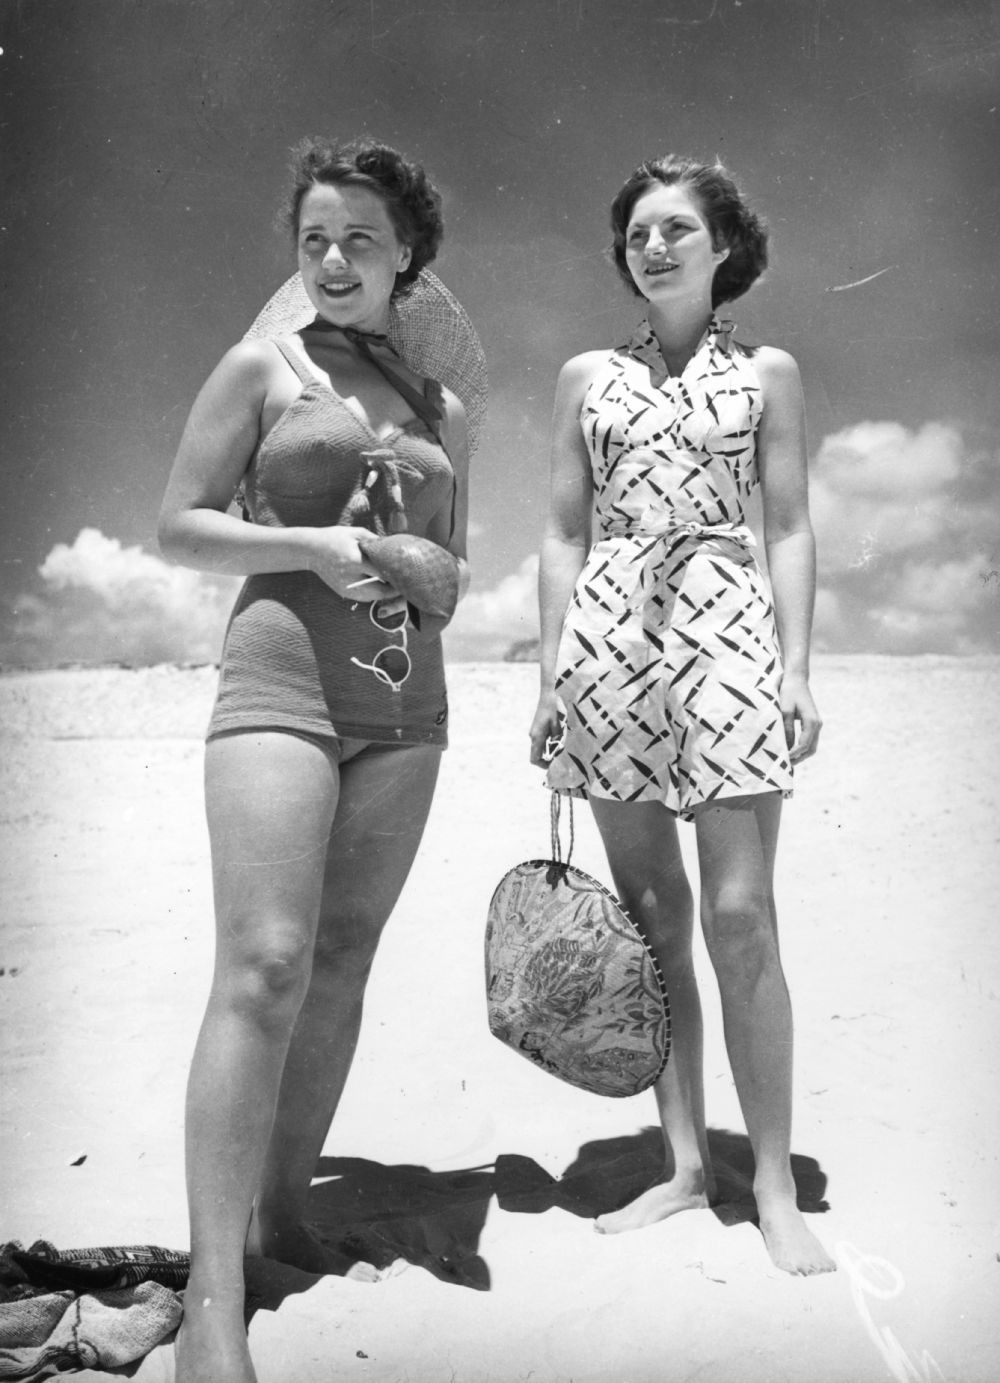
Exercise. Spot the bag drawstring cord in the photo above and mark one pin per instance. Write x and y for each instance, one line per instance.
(555, 807)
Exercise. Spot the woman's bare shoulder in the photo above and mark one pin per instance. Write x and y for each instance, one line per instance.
(585, 364)
(774, 363)
(250, 364)
(579, 371)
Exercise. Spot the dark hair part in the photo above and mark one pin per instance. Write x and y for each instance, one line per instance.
(412, 201)
(733, 225)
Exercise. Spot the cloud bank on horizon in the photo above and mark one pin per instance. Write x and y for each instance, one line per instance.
(100, 602)
(909, 562)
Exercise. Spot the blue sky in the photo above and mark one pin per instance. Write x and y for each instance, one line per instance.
(144, 149)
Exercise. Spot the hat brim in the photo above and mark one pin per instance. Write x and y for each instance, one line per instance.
(428, 328)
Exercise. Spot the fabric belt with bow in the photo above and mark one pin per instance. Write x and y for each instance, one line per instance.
(677, 529)
(645, 573)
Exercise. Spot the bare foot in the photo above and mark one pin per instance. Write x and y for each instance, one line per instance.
(302, 1246)
(658, 1202)
(211, 1346)
(792, 1245)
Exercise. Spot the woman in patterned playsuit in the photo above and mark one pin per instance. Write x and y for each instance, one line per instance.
(681, 693)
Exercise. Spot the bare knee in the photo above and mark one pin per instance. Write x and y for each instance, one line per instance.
(345, 948)
(740, 937)
(662, 908)
(266, 978)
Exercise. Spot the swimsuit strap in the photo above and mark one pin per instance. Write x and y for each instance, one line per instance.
(305, 375)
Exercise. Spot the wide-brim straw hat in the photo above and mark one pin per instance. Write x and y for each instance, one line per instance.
(429, 330)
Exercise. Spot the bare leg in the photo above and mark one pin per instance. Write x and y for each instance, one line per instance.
(737, 841)
(270, 799)
(384, 803)
(645, 860)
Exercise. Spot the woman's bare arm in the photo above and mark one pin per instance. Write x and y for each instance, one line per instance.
(788, 536)
(566, 539)
(449, 527)
(219, 439)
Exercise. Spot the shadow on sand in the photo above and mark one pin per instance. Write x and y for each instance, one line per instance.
(434, 1219)
(610, 1172)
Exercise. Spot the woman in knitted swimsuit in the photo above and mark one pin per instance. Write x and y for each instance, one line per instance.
(324, 745)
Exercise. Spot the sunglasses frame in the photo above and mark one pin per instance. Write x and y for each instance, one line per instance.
(395, 683)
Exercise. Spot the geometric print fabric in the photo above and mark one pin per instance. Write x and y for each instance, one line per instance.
(668, 664)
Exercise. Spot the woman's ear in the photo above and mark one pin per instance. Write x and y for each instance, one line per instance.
(720, 254)
(405, 255)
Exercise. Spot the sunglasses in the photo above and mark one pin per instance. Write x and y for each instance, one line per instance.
(391, 665)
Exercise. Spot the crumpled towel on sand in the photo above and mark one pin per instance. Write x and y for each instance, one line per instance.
(42, 1336)
(44, 1267)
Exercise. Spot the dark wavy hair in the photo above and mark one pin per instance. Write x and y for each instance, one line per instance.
(732, 223)
(410, 198)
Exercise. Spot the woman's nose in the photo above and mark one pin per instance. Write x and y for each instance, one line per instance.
(655, 243)
(334, 256)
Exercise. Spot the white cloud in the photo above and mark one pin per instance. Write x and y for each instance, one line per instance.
(488, 623)
(907, 534)
(909, 555)
(908, 541)
(101, 602)
(887, 458)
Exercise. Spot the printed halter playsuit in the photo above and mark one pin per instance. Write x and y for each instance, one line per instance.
(668, 664)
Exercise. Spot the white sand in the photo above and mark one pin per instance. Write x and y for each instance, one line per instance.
(888, 887)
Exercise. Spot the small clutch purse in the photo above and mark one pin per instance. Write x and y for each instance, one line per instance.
(570, 982)
(421, 571)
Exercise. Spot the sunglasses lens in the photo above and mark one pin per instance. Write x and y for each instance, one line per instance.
(394, 662)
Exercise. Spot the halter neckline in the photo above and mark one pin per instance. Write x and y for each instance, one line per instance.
(644, 346)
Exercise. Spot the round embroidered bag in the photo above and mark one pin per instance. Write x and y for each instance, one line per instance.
(570, 982)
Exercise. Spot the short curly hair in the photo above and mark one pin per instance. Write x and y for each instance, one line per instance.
(732, 223)
(410, 198)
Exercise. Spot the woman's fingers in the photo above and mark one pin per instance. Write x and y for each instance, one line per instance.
(808, 739)
(538, 734)
(390, 604)
(546, 735)
(799, 713)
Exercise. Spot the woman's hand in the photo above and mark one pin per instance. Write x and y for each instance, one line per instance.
(335, 557)
(547, 725)
(797, 705)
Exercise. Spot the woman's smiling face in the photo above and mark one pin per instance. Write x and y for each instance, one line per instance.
(349, 255)
(668, 245)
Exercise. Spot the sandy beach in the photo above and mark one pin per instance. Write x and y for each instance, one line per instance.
(462, 1158)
